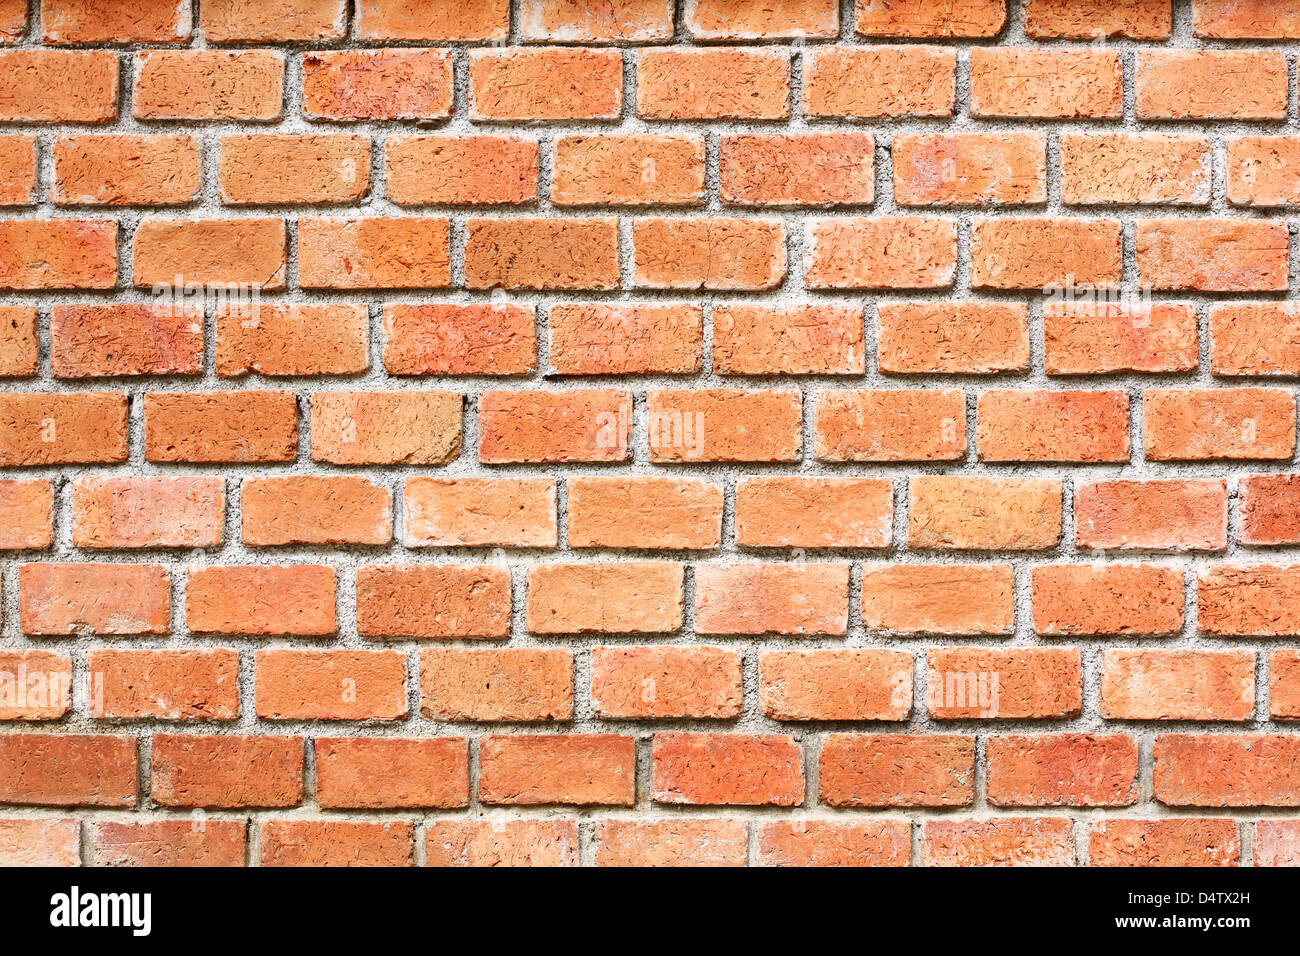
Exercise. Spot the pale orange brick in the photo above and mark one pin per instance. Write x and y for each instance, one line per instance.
(670, 843)
(723, 424)
(901, 252)
(973, 338)
(719, 83)
(19, 349)
(1104, 337)
(1006, 841)
(1213, 424)
(796, 512)
(1211, 84)
(541, 254)
(1276, 842)
(93, 599)
(1283, 684)
(1098, 19)
(49, 429)
(610, 597)
(741, 20)
(957, 599)
(58, 86)
(1055, 770)
(433, 601)
(512, 684)
(1014, 83)
(311, 509)
(26, 514)
(470, 339)
(880, 81)
(969, 169)
(579, 769)
(406, 427)
(417, 20)
(17, 170)
(208, 85)
(798, 169)
(644, 513)
(1164, 843)
(666, 682)
(924, 18)
(833, 843)
(708, 253)
(1045, 254)
(479, 512)
(40, 841)
(891, 425)
(1158, 515)
(1036, 683)
(374, 253)
(635, 170)
(1268, 509)
(1093, 599)
(1260, 338)
(322, 843)
(575, 21)
(37, 685)
(1177, 685)
(330, 685)
(460, 170)
(57, 253)
(1081, 426)
(13, 20)
(161, 512)
(858, 684)
(969, 513)
(272, 21)
(599, 339)
(753, 598)
(799, 340)
(1213, 255)
(291, 339)
(398, 84)
(80, 22)
(546, 84)
(242, 426)
(170, 843)
(169, 254)
(63, 769)
(1246, 19)
(384, 772)
(1125, 168)
(1258, 600)
(727, 769)
(897, 770)
(297, 599)
(1227, 770)
(126, 170)
(293, 168)
(98, 341)
(501, 842)
(538, 426)
(164, 685)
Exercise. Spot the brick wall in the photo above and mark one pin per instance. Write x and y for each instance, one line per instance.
(713, 432)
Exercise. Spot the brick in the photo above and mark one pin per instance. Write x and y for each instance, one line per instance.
(576, 769)
(513, 684)
(1254, 339)
(40, 841)
(1159, 515)
(1098, 19)
(995, 514)
(919, 18)
(1211, 84)
(318, 843)
(244, 426)
(1082, 426)
(644, 513)
(635, 170)
(17, 170)
(1276, 843)
(26, 514)
(1054, 770)
(164, 685)
(801, 340)
(245, 85)
(433, 601)
(600, 339)
(543, 254)
(1010, 841)
(354, 85)
(19, 350)
(880, 82)
(1177, 685)
(549, 84)
(368, 773)
(727, 769)
(499, 842)
(210, 843)
(1213, 255)
(666, 682)
(708, 253)
(57, 253)
(625, 597)
(952, 338)
(1107, 599)
(13, 21)
(957, 599)
(1008, 83)
(293, 168)
(902, 252)
(1252, 19)
(58, 86)
(891, 425)
(1045, 254)
(738, 20)
(261, 601)
(1221, 770)
(291, 339)
(1212, 424)
(798, 169)
(68, 770)
(572, 21)
(713, 84)
(677, 842)
(1268, 509)
(1248, 600)
(330, 685)
(469, 339)
(479, 512)
(37, 685)
(101, 341)
(1040, 683)
(754, 598)
(170, 254)
(1122, 168)
(897, 770)
(724, 424)
(374, 253)
(1283, 684)
(969, 169)
(537, 426)
(461, 170)
(859, 684)
(1188, 842)
(833, 843)
(79, 22)
(407, 427)
(416, 20)
(227, 771)
(257, 21)
(796, 512)
(308, 509)
(57, 599)
(1094, 338)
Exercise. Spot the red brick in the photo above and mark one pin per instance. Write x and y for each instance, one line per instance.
(1039, 683)
(1126, 169)
(471, 339)
(1211, 84)
(1187, 842)
(101, 341)
(147, 512)
(718, 254)
(1083, 426)
(58, 86)
(1212, 255)
(26, 514)
(1246, 19)
(495, 512)
(261, 601)
(1227, 770)
(897, 770)
(227, 771)
(417, 20)
(381, 772)
(543, 254)
(833, 843)
(891, 425)
(574, 21)
(171, 254)
(904, 81)
(799, 340)
(189, 843)
(724, 424)
(1257, 600)
(740, 20)
(77, 22)
(291, 339)
(1045, 255)
(164, 685)
(399, 84)
(969, 169)
(727, 769)
(859, 684)
(577, 769)
(1255, 339)
(433, 601)
(337, 843)
(37, 685)
(1177, 685)
(17, 170)
(537, 426)
(1268, 508)
(644, 513)
(1045, 84)
(374, 253)
(972, 513)
(293, 168)
(972, 338)
(634, 170)
(1283, 684)
(306, 509)
(500, 842)
(1083, 599)
(736, 83)
(1212, 424)
(208, 85)
(799, 169)
(666, 682)
(624, 597)
(1100, 338)
(549, 84)
(676, 842)
(460, 170)
(1009, 841)
(57, 253)
(513, 684)
(1071, 770)
(93, 599)
(40, 841)
(902, 252)
(330, 685)
(754, 598)
(954, 599)
(244, 426)
(795, 512)
(385, 428)
(19, 350)
(1158, 515)
(923, 18)
(259, 21)
(68, 770)
(599, 339)
(1098, 19)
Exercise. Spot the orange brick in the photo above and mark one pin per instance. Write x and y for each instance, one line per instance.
(623, 597)
(26, 514)
(208, 85)
(644, 513)
(297, 600)
(1107, 599)
(968, 513)
(306, 509)
(636, 170)
(257, 21)
(718, 83)
(13, 20)
(708, 253)
(897, 770)
(1008, 841)
(37, 685)
(40, 841)
(17, 170)
(537, 426)
(57, 253)
(127, 512)
(832, 843)
(1213, 255)
(1258, 600)
(666, 682)
(1211, 84)
(1055, 770)
(58, 86)
(500, 842)
(891, 425)
(1160, 515)
(902, 252)
(491, 512)
(1246, 19)
(398, 84)
(405, 427)
(1045, 254)
(938, 598)
(320, 843)
(541, 254)
(573, 21)
(96, 341)
(1039, 683)
(1125, 168)
(126, 170)
(1177, 685)
(1045, 84)
(169, 254)
(798, 169)
(291, 339)
(1210, 424)
(577, 769)
(383, 772)
(676, 842)
(1283, 684)
(753, 598)
(795, 512)
(76, 22)
(19, 350)
(800, 340)
(739, 20)
(1164, 843)
(242, 426)
(976, 338)
(1052, 426)
(68, 770)
(48, 429)
(460, 170)
(330, 685)
(1103, 337)
(1227, 770)
(724, 425)
(433, 601)
(374, 253)
(1276, 843)
(727, 769)
(293, 168)
(1268, 508)
(169, 843)
(969, 169)
(93, 599)
(915, 81)
(859, 684)
(1255, 339)
(164, 685)
(599, 339)
(498, 684)
(467, 339)
(1098, 19)
(417, 20)
(921, 18)
(549, 84)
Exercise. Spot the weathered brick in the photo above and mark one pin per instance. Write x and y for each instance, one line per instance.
(633, 170)
(1122, 168)
(208, 85)
(227, 771)
(740, 84)
(461, 170)
(293, 168)
(433, 601)
(724, 424)
(1190, 842)
(1227, 770)
(754, 598)
(880, 82)
(537, 426)
(1211, 84)
(1039, 683)
(600, 339)
(310, 509)
(891, 425)
(1268, 508)
(578, 769)
(953, 599)
(897, 770)
(26, 514)
(1045, 84)
(1157, 515)
(644, 513)
(718, 254)
(727, 769)
(68, 770)
(834, 843)
(666, 682)
(318, 843)
(244, 426)
(399, 84)
(793, 512)
(93, 599)
(1054, 770)
(407, 427)
(954, 338)
(164, 685)
(902, 252)
(1009, 841)
(1177, 685)
(1211, 424)
(291, 339)
(169, 843)
(549, 84)
(676, 842)
(126, 170)
(258, 601)
(483, 512)
(499, 684)
(1045, 255)
(860, 684)
(1103, 337)
(101, 341)
(997, 514)
(799, 169)
(802, 340)
(969, 169)
(366, 773)
(624, 597)
(374, 253)
(330, 685)
(499, 842)
(544, 254)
